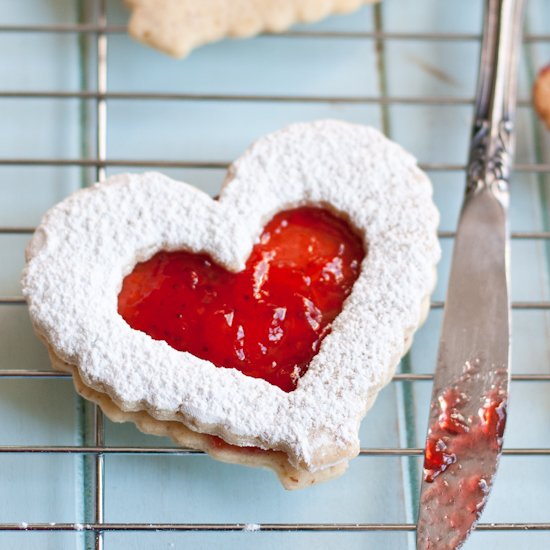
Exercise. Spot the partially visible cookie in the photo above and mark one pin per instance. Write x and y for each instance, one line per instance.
(178, 26)
(541, 95)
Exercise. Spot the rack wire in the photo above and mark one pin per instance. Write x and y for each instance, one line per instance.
(100, 32)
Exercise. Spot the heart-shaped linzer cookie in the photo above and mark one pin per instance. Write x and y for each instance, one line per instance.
(350, 178)
(177, 26)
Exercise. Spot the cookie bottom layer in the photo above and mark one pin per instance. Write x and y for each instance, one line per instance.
(289, 476)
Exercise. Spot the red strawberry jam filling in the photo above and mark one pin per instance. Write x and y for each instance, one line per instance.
(268, 320)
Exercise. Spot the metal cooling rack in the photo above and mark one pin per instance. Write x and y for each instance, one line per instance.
(99, 33)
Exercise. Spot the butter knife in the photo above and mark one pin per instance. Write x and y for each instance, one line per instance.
(470, 390)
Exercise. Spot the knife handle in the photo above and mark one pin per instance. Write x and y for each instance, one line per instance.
(493, 143)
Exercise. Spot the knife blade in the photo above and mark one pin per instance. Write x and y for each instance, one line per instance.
(470, 391)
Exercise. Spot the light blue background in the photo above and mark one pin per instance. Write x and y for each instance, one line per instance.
(56, 488)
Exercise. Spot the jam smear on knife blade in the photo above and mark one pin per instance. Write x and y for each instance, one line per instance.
(461, 455)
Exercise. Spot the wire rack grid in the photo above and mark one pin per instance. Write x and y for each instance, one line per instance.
(93, 34)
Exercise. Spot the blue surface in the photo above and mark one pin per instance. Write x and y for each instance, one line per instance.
(55, 488)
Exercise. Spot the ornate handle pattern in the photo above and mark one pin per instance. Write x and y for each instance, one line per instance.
(492, 145)
(491, 159)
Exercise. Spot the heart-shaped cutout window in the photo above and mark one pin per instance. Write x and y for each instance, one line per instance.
(268, 320)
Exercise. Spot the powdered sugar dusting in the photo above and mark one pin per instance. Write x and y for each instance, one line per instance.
(89, 242)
